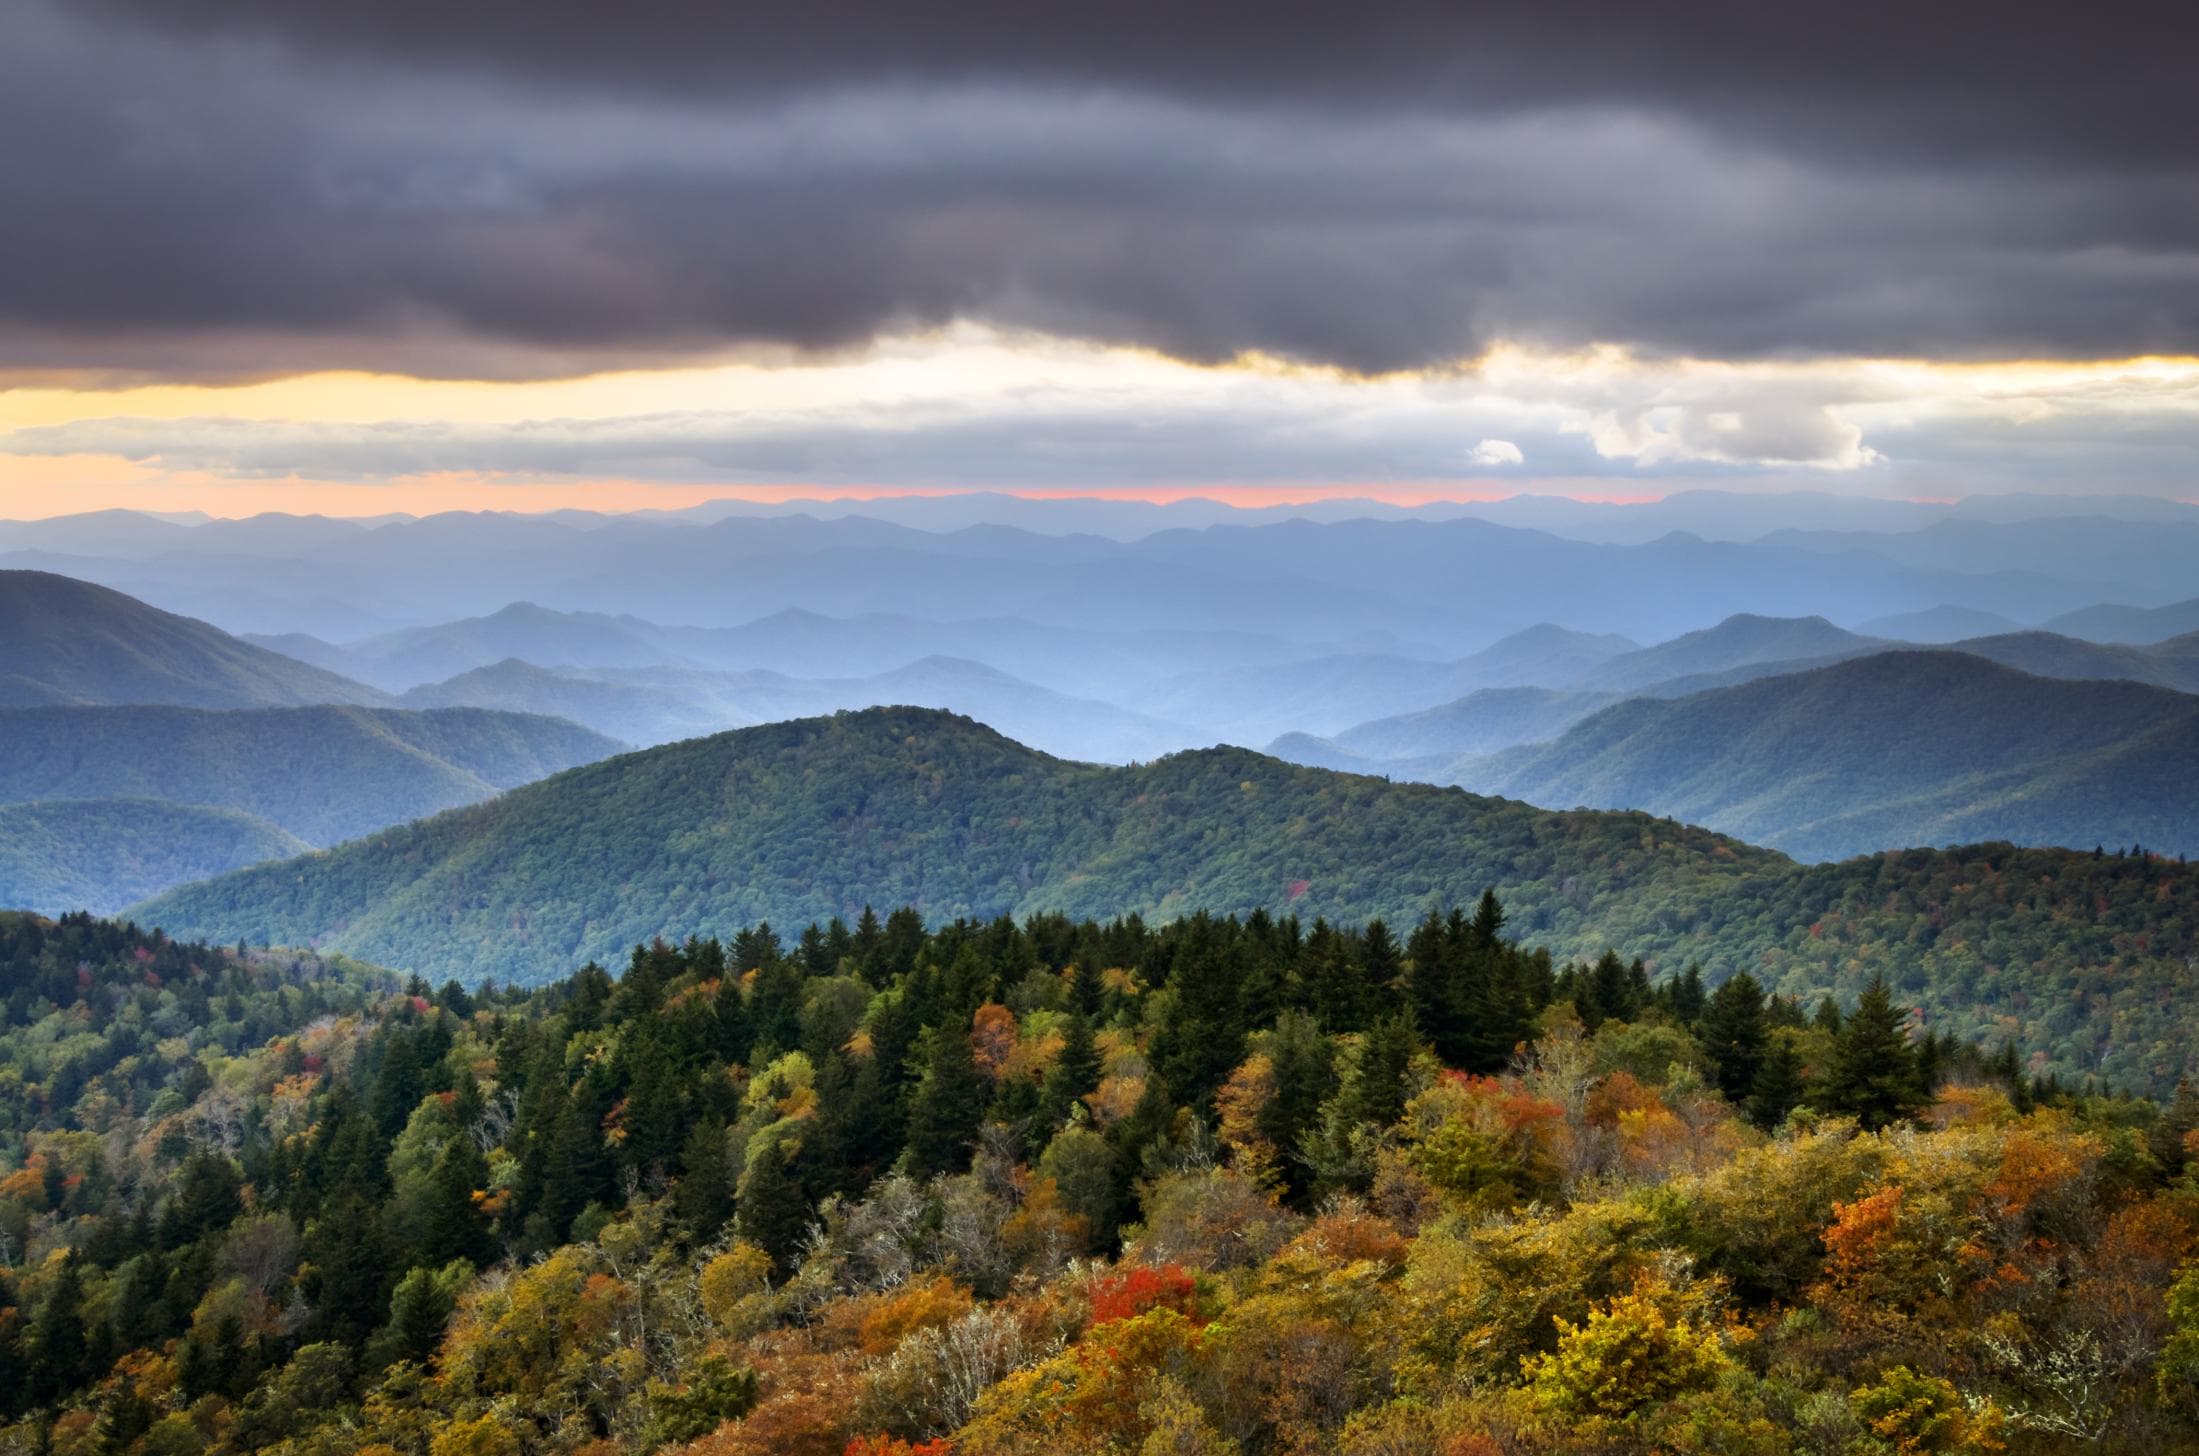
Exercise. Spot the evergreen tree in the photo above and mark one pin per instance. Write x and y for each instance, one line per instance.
(1488, 921)
(60, 1346)
(1074, 1073)
(1685, 997)
(455, 1228)
(650, 1119)
(2177, 1120)
(1610, 992)
(420, 1308)
(1304, 1061)
(1375, 1090)
(774, 1214)
(1499, 1013)
(1777, 1088)
(348, 1270)
(1872, 1073)
(948, 1105)
(1333, 981)
(1732, 1034)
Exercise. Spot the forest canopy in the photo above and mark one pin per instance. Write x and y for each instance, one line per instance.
(1217, 1185)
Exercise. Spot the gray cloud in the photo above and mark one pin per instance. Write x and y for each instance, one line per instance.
(229, 186)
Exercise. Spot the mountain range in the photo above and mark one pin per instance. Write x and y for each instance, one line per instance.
(1454, 581)
(1427, 743)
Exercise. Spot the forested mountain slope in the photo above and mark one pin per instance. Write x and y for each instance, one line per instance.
(58, 855)
(806, 820)
(64, 641)
(323, 774)
(1891, 749)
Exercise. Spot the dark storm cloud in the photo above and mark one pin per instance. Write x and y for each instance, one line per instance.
(2103, 79)
(218, 186)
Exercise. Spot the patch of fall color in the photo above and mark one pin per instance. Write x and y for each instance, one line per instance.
(925, 1304)
(1121, 980)
(895, 1446)
(1348, 1233)
(1123, 1294)
(1114, 1099)
(809, 1402)
(2035, 1167)
(993, 1035)
(24, 1183)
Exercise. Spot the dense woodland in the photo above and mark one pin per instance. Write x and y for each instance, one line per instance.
(1216, 1186)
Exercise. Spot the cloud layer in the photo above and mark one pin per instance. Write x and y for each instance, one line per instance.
(208, 188)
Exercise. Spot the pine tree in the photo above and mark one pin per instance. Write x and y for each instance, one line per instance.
(419, 1309)
(1610, 992)
(1499, 1013)
(1488, 921)
(349, 1270)
(1732, 1034)
(1380, 960)
(1332, 981)
(651, 1117)
(1432, 988)
(1777, 1089)
(2166, 1140)
(1684, 996)
(455, 1227)
(773, 1215)
(948, 1106)
(1374, 1092)
(1872, 1075)
(1305, 1069)
(59, 1343)
(1074, 1073)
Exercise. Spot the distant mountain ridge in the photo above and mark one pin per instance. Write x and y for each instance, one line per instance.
(66, 642)
(2139, 626)
(1419, 579)
(322, 774)
(1891, 748)
(661, 704)
(1740, 641)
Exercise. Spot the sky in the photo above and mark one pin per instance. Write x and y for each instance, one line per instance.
(396, 255)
